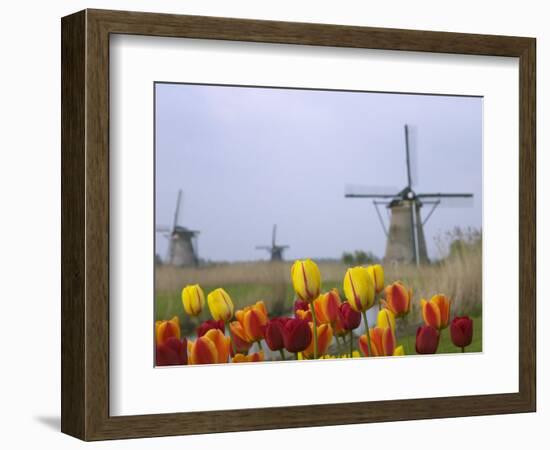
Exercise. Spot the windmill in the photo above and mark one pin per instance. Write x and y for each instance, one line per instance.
(275, 250)
(405, 238)
(182, 242)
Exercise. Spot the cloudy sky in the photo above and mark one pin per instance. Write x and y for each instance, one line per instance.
(247, 158)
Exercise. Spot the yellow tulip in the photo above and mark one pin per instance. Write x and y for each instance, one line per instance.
(399, 351)
(377, 273)
(192, 298)
(385, 319)
(220, 305)
(359, 288)
(253, 357)
(306, 279)
(165, 329)
(436, 312)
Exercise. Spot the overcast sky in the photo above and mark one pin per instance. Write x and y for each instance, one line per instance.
(247, 158)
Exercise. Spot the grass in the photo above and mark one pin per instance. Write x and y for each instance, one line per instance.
(445, 343)
(458, 277)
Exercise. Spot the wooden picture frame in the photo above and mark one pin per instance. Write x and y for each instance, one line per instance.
(85, 224)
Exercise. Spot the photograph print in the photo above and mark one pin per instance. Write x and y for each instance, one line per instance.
(297, 224)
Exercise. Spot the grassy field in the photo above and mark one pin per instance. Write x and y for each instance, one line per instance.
(458, 277)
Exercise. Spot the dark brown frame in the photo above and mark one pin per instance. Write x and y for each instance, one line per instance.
(85, 224)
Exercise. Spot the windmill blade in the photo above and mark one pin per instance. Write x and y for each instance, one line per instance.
(365, 191)
(162, 229)
(177, 212)
(273, 235)
(451, 202)
(414, 232)
(263, 247)
(411, 149)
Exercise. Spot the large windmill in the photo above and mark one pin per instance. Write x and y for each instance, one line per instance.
(405, 238)
(275, 250)
(182, 242)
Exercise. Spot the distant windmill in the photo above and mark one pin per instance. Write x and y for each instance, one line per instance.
(275, 250)
(182, 242)
(405, 238)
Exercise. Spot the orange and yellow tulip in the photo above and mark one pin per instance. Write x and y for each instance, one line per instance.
(327, 307)
(324, 337)
(382, 342)
(165, 329)
(192, 298)
(398, 299)
(253, 320)
(220, 305)
(253, 357)
(377, 273)
(212, 348)
(306, 279)
(436, 311)
(359, 288)
(240, 338)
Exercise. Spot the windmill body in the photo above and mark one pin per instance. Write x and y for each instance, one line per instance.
(406, 242)
(276, 251)
(399, 248)
(182, 242)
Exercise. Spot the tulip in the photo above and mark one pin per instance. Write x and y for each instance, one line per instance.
(253, 357)
(239, 337)
(253, 319)
(427, 340)
(212, 348)
(220, 305)
(436, 311)
(359, 288)
(296, 335)
(382, 342)
(350, 319)
(165, 329)
(327, 307)
(274, 333)
(398, 299)
(306, 279)
(324, 337)
(462, 330)
(377, 273)
(202, 351)
(173, 352)
(192, 298)
(399, 351)
(304, 315)
(385, 319)
(300, 305)
(209, 325)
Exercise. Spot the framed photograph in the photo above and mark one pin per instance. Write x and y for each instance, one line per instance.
(267, 224)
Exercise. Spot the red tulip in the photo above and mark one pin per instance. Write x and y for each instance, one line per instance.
(296, 335)
(462, 330)
(301, 305)
(349, 318)
(172, 352)
(274, 333)
(427, 340)
(210, 325)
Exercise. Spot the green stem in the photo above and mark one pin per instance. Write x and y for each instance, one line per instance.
(462, 349)
(260, 345)
(226, 328)
(351, 343)
(282, 354)
(367, 331)
(314, 331)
